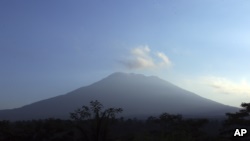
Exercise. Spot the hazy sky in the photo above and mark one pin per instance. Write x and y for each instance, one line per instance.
(51, 47)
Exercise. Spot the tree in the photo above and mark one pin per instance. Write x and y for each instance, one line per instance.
(97, 119)
(236, 120)
(173, 127)
(5, 132)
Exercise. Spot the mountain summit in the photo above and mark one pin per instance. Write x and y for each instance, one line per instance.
(137, 94)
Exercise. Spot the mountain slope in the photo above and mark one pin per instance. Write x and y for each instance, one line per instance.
(137, 94)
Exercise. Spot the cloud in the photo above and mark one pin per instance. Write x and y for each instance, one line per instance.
(226, 86)
(165, 60)
(142, 58)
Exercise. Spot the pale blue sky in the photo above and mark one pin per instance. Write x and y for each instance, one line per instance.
(48, 48)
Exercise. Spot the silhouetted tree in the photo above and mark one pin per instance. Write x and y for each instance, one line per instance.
(173, 127)
(5, 132)
(237, 120)
(96, 118)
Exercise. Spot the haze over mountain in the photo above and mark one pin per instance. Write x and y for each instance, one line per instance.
(137, 94)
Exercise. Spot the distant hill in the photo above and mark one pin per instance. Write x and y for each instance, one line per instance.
(138, 95)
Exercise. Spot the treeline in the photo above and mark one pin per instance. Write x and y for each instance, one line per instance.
(93, 123)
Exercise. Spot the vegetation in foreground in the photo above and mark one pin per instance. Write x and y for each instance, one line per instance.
(94, 123)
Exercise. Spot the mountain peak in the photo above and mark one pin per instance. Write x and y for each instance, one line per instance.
(135, 75)
(137, 94)
(123, 74)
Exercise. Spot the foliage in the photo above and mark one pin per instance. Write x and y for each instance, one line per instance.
(36, 130)
(237, 120)
(99, 120)
(94, 123)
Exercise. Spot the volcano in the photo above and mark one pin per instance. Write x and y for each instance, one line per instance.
(137, 94)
